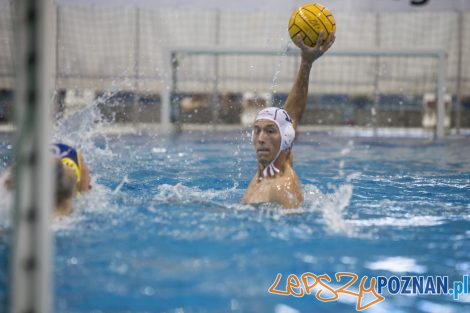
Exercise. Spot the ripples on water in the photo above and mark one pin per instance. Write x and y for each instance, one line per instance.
(163, 230)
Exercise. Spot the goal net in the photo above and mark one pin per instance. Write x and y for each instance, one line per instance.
(347, 87)
(121, 48)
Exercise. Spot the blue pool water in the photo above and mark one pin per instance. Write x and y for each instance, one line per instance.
(163, 230)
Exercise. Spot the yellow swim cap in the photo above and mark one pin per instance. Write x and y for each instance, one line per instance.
(76, 167)
(69, 157)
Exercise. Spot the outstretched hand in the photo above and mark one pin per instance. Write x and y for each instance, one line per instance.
(310, 54)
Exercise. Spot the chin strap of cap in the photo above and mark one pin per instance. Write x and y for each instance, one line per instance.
(271, 169)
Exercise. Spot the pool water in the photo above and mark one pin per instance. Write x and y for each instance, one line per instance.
(163, 229)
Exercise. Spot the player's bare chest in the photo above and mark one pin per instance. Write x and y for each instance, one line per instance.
(262, 190)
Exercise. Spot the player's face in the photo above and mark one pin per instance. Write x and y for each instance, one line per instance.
(267, 141)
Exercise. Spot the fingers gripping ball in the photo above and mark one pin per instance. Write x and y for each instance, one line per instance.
(308, 20)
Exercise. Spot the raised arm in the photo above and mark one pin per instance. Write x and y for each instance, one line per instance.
(297, 99)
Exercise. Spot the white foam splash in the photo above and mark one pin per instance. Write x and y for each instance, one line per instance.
(430, 307)
(183, 194)
(66, 222)
(125, 180)
(284, 308)
(80, 129)
(332, 206)
(96, 201)
(399, 222)
(397, 265)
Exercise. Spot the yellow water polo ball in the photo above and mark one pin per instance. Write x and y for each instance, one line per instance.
(308, 20)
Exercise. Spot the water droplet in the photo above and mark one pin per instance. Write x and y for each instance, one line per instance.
(72, 261)
(148, 291)
(159, 150)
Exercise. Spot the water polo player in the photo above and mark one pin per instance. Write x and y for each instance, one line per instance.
(273, 135)
(71, 176)
(73, 159)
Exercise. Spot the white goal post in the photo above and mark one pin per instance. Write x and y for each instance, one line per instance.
(172, 56)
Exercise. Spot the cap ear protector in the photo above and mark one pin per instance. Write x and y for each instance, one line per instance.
(70, 163)
(288, 137)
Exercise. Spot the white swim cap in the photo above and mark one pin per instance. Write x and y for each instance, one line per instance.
(284, 123)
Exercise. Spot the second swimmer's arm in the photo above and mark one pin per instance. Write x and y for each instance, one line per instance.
(297, 99)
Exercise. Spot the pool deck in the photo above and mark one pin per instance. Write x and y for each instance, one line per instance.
(340, 131)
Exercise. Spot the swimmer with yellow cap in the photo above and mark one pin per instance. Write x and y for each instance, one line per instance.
(73, 159)
(274, 133)
(72, 176)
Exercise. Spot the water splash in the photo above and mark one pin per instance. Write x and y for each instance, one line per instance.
(274, 83)
(331, 206)
(397, 264)
(125, 180)
(81, 128)
(84, 129)
(183, 194)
